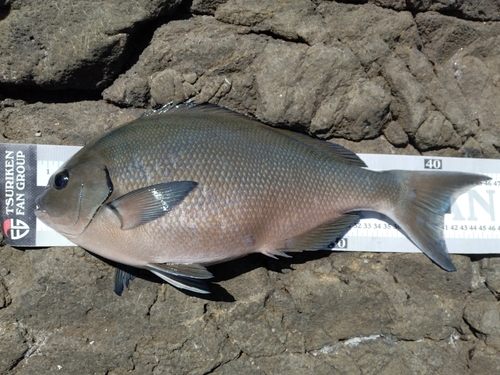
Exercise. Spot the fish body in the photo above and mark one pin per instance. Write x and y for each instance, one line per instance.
(193, 185)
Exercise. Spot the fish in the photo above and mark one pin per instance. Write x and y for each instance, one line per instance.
(191, 185)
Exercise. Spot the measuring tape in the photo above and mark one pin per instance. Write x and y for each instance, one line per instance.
(470, 228)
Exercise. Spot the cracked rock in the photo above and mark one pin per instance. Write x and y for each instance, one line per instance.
(13, 347)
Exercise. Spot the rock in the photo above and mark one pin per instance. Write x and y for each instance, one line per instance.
(295, 20)
(482, 314)
(395, 134)
(467, 9)
(484, 360)
(376, 76)
(134, 92)
(489, 267)
(74, 123)
(436, 131)
(5, 298)
(270, 69)
(61, 45)
(440, 315)
(205, 6)
(13, 347)
(411, 106)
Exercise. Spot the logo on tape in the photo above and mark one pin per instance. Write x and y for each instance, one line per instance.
(15, 229)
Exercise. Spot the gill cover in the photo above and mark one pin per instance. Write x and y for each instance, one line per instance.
(73, 196)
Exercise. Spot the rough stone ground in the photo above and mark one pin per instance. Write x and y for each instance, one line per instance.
(384, 76)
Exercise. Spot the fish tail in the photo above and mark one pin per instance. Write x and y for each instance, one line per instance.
(425, 198)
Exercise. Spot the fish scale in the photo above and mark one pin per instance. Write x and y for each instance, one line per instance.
(212, 164)
(179, 189)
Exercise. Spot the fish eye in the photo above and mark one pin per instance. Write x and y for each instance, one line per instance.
(61, 180)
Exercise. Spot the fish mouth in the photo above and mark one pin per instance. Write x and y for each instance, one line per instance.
(42, 215)
(39, 211)
(67, 230)
(37, 203)
(45, 218)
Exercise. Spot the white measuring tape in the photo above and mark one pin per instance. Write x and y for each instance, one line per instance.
(471, 227)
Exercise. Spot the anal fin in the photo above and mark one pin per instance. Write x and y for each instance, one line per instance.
(320, 237)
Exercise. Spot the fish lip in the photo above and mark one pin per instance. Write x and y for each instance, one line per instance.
(41, 215)
(37, 203)
(39, 211)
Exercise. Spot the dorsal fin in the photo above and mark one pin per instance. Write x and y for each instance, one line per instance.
(334, 150)
(194, 108)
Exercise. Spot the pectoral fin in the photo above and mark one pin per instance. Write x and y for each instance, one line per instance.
(183, 276)
(149, 203)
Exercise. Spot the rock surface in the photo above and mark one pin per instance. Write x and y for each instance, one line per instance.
(384, 76)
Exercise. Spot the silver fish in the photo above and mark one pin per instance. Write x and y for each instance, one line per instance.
(193, 185)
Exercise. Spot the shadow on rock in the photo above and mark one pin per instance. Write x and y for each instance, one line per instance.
(227, 270)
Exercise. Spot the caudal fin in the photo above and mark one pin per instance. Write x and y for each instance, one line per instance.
(420, 211)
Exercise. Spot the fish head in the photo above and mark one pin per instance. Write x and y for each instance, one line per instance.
(73, 196)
